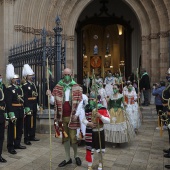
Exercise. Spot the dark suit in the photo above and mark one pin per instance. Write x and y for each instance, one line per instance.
(30, 100)
(11, 98)
(2, 118)
(145, 83)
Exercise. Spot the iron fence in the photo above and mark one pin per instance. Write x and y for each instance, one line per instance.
(36, 52)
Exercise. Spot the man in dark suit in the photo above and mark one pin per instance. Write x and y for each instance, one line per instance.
(145, 86)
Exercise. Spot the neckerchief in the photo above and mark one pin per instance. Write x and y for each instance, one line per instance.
(1, 85)
(66, 86)
(144, 74)
(16, 86)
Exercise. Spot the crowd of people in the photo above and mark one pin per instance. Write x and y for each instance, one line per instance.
(99, 111)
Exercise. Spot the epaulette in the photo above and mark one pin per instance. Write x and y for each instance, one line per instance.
(25, 84)
(9, 86)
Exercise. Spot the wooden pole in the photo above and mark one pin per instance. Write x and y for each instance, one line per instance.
(49, 112)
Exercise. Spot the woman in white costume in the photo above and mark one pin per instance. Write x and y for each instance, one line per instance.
(120, 130)
(102, 93)
(130, 97)
(109, 82)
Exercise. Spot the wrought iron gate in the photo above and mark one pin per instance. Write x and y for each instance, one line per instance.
(36, 52)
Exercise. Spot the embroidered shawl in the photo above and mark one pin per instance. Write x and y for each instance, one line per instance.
(76, 93)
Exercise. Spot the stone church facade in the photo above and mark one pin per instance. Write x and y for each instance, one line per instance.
(22, 20)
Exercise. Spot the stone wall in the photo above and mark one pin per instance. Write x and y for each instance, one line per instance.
(21, 20)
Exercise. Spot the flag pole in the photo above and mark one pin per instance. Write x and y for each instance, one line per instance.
(49, 112)
(100, 145)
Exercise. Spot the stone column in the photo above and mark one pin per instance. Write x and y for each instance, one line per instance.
(145, 57)
(2, 39)
(70, 52)
(164, 54)
(7, 29)
(154, 70)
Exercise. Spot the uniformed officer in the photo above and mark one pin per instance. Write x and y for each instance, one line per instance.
(2, 118)
(14, 104)
(30, 105)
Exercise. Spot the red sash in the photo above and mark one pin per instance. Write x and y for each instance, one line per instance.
(66, 109)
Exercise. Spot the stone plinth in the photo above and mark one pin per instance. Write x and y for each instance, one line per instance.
(43, 121)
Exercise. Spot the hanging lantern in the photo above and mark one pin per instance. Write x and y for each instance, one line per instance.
(120, 29)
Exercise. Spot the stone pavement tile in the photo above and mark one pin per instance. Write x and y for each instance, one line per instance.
(80, 168)
(158, 148)
(156, 152)
(141, 155)
(137, 166)
(16, 165)
(154, 166)
(113, 151)
(138, 160)
(166, 161)
(27, 167)
(156, 157)
(14, 156)
(32, 165)
(109, 157)
(117, 166)
(124, 160)
(143, 150)
(108, 163)
(129, 152)
(5, 168)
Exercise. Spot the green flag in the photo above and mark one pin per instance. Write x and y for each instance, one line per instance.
(49, 71)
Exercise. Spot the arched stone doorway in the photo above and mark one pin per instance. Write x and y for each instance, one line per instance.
(101, 27)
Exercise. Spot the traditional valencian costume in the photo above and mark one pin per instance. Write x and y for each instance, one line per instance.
(102, 93)
(92, 131)
(109, 82)
(130, 97)
(66, 96)
(120, 130)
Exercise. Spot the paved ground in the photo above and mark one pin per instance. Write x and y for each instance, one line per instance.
(144, 153)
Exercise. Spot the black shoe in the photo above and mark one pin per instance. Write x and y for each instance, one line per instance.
(167, 166)
(64, 163)
(27, 142)
(19, 147)
(12, 151)
(2, 159)
(167, 155)
(78, 161)
(34, 139)
(166, 150)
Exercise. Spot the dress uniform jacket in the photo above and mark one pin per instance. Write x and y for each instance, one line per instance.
(14, 103)
(30, 101)
(2, 117)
